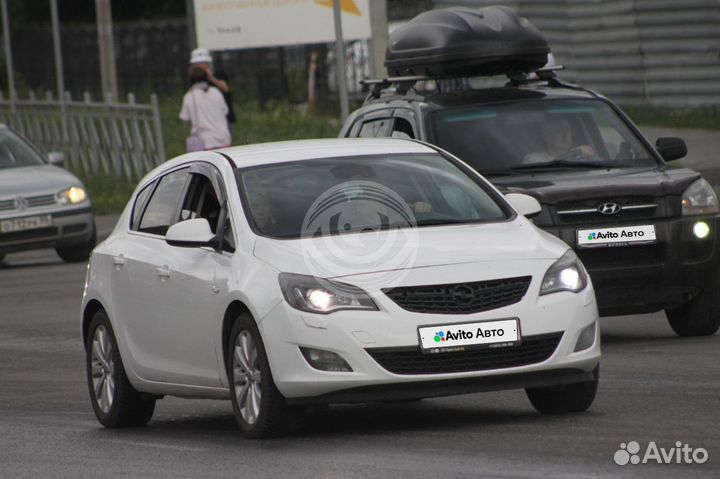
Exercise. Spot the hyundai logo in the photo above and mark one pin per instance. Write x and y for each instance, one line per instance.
(462, 294)
(609, 208)
(20, 203)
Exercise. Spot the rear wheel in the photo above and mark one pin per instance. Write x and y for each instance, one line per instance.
(260, 409)
(115, 402)
(79, 252)
(698, 317)
(565, 398)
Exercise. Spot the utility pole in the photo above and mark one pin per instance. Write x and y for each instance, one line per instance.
(59, 77)
(108, 74)
(8, 54)
(378, 37)
(340, 67)
(190, 15)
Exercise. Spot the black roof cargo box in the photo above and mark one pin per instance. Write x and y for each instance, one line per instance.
(467, 42)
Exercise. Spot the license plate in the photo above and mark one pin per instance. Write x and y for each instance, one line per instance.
(620, 236)
(459, 337)
(27, 223)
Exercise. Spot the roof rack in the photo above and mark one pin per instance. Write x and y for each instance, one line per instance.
(404, 84)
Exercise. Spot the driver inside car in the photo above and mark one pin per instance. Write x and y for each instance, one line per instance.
(557, 136)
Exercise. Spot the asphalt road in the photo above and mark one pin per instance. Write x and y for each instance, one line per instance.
(654, 387)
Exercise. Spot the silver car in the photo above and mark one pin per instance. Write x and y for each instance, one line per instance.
(41, 204)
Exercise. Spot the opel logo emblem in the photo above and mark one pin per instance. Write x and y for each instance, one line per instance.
(20, 203)
(609, 208)
(462, 294)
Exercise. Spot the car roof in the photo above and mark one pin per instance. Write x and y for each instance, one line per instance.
(488, 95)
(298, 150)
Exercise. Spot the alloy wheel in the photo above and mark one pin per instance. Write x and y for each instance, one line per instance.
(247, 378)
(103, 369)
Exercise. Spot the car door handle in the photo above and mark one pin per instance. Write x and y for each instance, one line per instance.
(119, 262)
(163, 273)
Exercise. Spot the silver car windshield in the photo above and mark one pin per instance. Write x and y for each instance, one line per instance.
(536, 134)
(15, 152)
(362, 194)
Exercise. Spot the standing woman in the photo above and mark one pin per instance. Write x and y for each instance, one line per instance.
(204, 107)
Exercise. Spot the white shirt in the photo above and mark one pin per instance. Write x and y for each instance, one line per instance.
(206, 111)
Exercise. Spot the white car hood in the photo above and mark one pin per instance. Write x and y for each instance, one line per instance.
(32, 180)
(436, 246)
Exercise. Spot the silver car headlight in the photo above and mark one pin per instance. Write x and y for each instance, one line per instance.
(700, 199)
(566, 274)
(71, 196)
(318, 295)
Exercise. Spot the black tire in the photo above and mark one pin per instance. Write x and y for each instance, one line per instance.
(128, 407)
(2, 257)
(698, 317)
(566, 398)
(272, 414)
(80, 252)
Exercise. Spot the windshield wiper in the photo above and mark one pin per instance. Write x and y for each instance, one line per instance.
(496, 172)
(442, 221)
(568, 164)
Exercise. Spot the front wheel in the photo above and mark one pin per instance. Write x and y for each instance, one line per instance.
(566, 398)
(260, 409)
(698, 317)
(115, 402)
(79, 252)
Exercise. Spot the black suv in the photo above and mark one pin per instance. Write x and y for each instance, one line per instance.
(646, 232)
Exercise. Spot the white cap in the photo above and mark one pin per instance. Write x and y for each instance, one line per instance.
(200, 55)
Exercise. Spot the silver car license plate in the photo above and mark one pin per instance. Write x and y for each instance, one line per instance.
(27, 223)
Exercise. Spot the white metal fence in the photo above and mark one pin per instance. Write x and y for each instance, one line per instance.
(121, 139)
(662, 53)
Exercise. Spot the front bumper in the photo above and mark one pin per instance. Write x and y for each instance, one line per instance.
(638, 279)
(354, 334)
(70, 226)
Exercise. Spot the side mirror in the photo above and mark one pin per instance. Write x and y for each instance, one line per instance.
(526, 205)
(192, 233)
(56, 158)
(671, 148)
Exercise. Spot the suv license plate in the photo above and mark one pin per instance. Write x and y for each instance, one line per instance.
(27, 223)
(460, 337)
(621, 236)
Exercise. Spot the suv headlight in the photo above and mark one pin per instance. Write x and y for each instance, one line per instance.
(700, 199)
(317, 295)
(566, 274)
(71, 196)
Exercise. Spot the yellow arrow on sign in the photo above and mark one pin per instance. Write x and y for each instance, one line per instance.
(347, 6)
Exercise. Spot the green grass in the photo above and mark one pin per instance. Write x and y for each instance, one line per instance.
(110, 194)
(278, 122)
(703, 118)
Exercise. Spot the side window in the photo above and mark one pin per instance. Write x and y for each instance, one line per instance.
(374, 128)
(140, 202)
(202, 202)
(160, 211)
(402, 129)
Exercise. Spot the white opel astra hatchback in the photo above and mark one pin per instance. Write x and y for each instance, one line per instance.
(326, 271)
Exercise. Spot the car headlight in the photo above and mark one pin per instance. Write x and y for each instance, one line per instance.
(71, 196)
(700, 199)
(317, 295)
(566, 274)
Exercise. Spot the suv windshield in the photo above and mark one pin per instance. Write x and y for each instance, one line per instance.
(14, 152)
(357, 194)
(538, 134)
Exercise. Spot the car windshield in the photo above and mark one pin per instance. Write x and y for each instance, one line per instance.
(534, 135)
(15, 152)
(333, 196)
